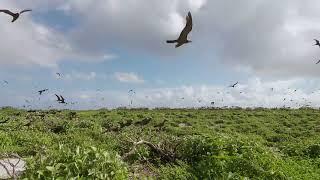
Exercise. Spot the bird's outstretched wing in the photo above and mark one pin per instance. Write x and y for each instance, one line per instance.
(7, 12)
(187, 29)
(62, 99)
(58, 98)
(26, 10)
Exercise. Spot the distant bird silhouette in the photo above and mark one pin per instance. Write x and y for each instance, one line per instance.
(42, 91)
(212, 103)
(15, 16)
(131, 90)
(318, 62)
(317, 42)
(234, 85)
(5, 121)
(143, 122)
(58, 74)
(183, 37)
(60, 99)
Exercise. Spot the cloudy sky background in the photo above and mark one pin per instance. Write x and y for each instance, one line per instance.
(104, 48)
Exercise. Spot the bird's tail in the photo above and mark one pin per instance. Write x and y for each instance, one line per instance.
(172, 41)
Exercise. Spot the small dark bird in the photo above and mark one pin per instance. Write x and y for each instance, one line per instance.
(234, 85)
(42, 91)
(318, 62)
(5, 82)
(60, 99)
(143, 122)
(183, 38)
(14, 15)
(212, 103)
(58, 74)
(317, 42)
(5, 121)
(131, 90)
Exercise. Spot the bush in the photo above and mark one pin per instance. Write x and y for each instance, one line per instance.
(68, 163)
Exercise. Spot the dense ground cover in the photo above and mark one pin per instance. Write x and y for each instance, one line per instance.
(177, 144)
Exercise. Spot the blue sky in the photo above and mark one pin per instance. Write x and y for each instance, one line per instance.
(120, 45)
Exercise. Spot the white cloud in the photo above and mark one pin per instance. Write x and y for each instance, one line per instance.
(28, 43)
(270, 38)
(76, 75)
(128, 77)
(251, 93)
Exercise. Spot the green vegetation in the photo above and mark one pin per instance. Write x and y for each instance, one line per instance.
(190, 144)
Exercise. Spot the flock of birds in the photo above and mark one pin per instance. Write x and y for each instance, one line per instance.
(181, 40)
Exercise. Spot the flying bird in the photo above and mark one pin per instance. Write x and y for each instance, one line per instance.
(15, 16)
(318, 62)
(317, 42)
(234, 85)
(42, 91)
(60, 99)
(131, 90)
(58, 74)
(183, 37)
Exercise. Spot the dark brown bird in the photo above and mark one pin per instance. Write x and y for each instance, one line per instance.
(183, 38)
(317, 42)
(234, 85)
(15, 16)
(60, 99)
(42, 91)
(143, 122)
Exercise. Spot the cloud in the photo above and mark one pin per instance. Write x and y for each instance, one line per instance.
(27, 42)
(254, 92)
(128, 77)
(271, 39)
(266, 38)
(76, 75)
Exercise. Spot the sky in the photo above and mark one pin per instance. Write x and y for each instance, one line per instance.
(104, 48)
